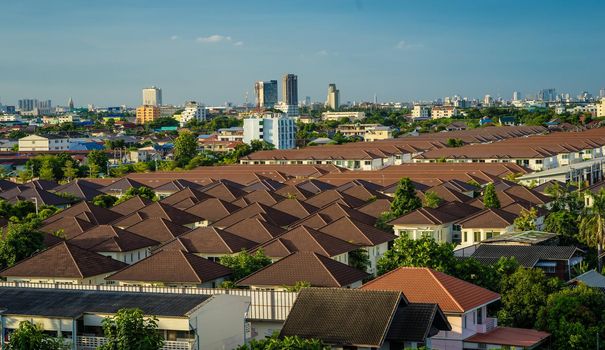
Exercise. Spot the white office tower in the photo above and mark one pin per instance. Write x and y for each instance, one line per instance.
(277, 129)
(152, 96)
(516, 96)
(333, 99)
(193, 110)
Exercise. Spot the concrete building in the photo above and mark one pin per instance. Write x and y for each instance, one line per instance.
(333, 99)
(601, 108)
(193, 110)
(266, 93)
(232, 134)
(290, 90)
(276, 129)
(43, 143)
(421, 112)
(443, 112)
(152, 96)
(352, 116)
(147, 113)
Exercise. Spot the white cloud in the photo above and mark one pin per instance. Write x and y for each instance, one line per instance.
(238, 43)
(174, 37)
(322, 53)
(404, 45)
(216, 38)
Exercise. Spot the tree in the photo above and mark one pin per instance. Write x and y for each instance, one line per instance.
(97, 161)
(490, 198)
(130, 329)
(359, 259)
(298, 286)
(291, 342)
(526, 221)
(243, 263)
(46, 170)
(185, 148)
(523, 294)
(29, 336)
(563, 223)
(405, 199)
(104, 200)
(20, 241)
(25, 175)
(574, 317)
(592, 224)
(431, 200)
(422, 252)
(261, 145)
(69, 171)
(141, 191)
(454, 142)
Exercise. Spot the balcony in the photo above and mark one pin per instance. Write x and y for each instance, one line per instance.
(489, 324)
(91, 343)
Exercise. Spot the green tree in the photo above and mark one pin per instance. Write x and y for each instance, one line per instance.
(405, 199)
(46, 170)
(574, 317)
(298, 286)
(243, 263)
(431, 200)
(29, 336)
(592, 224)
(290, 343)
(261, 145)
(142, 191)
(454, 142)
(526, 221)
(490, 198)
(69, 171)
(422, 252)
(19, 242)
(563, 223)
(104, 200)
(97, 162)
(185, 148)
(523, 294)
(129, 329)
(359, 259)
(25, 175)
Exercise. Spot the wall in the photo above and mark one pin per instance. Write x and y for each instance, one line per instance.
(220, 322)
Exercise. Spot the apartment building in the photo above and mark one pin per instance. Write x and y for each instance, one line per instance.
(352, 116)
(443, 112)
(43, 143)
(420, 112)
(147, 113)
(276, 129)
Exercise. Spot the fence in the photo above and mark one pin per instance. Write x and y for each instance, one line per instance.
(264, 304)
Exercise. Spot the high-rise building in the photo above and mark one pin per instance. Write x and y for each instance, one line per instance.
(193, 110)
(266, 93)
(333, 100)
(290, 90)
(547, 95)
(602, 93)
(152, 96)
(488, 100)
(147, 114)
(28, 104)
(276, 129)
(516, 96)
(70, 104)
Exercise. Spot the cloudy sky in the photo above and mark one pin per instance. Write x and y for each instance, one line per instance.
(104, 52)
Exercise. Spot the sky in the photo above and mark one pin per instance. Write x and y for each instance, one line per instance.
(105, 52)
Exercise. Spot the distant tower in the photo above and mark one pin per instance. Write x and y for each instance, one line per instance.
(333, 100)
(70, 104)
(375, 99)
(516, 96)
(290, 89)
(152, 96)
(266, 93)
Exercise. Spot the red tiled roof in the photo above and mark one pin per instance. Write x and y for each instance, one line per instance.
(424, 285)
(520, 337)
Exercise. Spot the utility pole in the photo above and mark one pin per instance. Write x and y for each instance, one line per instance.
(35, 199)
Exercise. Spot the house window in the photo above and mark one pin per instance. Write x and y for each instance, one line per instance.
(456, 227)
(480, 316)
(477, 236)
(465, 236)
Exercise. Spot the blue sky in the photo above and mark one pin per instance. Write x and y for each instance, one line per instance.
(104, 52)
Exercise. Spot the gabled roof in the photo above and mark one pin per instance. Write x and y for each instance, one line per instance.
(295, 207)
(290, 191)
(94, 214)
(314, 186)
(446, 193)
(172, 266)
(527, 256)
(24, 193)
(488, 218)
(224, 190)
(263, 196)
(353, 231)
(176, 185)
(158, 229)
(120, 186)
(209, 240)
(376, 208)
(131, 205)
(186, 193)
(276, 217)
(162, 210)
(305, 239)
(212, 209)
(329, 196)
(70, 226)
(107, 238)
(255, 229)
(590, 278)
(64, 260)
(336, 211)
(424, 285)
(517, 337)
(79, 188)
(318, 270)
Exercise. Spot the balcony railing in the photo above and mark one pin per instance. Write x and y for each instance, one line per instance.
(90, 343)
(489, 324)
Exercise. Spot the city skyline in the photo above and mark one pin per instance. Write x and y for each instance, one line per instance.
(395, 51)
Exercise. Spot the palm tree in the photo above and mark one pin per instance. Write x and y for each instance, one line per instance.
(592, 224)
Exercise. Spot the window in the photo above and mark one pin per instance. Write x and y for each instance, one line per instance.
(538, 161)
(456, 227)
(480, 316)
(477, 236)
(465, 236)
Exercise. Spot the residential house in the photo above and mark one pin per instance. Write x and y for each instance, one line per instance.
(43, 143)
(485, 224)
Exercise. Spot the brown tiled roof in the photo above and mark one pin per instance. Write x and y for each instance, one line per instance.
(120, 186)
(158, 229)
(107, 238)
(294, 191)
(162, 210)
(263, 196)
(313, 221)
(64, 260)
(376, 208)
(295, 207)
(445, 213)
(255, 229)
(25, 193)
(186, 193)
(209, 240)
(131, 205)
(318, 270)
(97, 215)
(176, 185)
(70, 226)
(448, 194)
(274, 216)
(305, 239)
(224, 191)
(517, 337)
(528, 195)
(351, 230)
(172, 266)
(329, 196)
(80, 188)
(212, 209)
(424, 285)
(488, 218)
(336, 211)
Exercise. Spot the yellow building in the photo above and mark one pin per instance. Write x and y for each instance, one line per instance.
(147, 113)
(601, 108)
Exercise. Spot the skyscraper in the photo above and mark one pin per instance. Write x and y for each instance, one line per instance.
(290, 90)
(547, 95)
(70, 104)
(266, 93)
(516, 96)
(152, 96)
(333, 100)
(602, 93)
